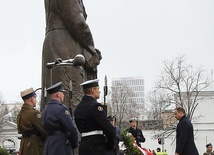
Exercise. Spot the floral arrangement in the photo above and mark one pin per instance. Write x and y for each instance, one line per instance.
(128, 141)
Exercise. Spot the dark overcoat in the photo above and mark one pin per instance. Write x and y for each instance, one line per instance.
(67, 34)
(90, 116)
(30, 126)
(62, 133)
(185, 144)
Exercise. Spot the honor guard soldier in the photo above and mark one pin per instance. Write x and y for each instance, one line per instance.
(97, 133)
(62, 135)
(30, 125)
(136, 133)
(209, 149)
(116, 150)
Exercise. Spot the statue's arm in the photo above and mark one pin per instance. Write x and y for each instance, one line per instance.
(75, 23)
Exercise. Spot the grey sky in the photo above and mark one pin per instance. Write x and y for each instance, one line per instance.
(134, 36)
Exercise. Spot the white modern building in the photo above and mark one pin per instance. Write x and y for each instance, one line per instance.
(204, 122)
(136, 85)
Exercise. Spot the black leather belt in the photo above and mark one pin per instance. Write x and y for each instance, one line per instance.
(57, 132)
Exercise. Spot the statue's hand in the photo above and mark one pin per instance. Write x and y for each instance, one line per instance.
(99, 54)
(93, 60)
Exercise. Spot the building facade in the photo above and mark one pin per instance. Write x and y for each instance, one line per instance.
(136, 86)
(9, 137)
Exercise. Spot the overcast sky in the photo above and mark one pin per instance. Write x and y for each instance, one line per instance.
(134, 36)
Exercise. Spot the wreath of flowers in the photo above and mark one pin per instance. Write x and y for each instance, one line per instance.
(128, 141)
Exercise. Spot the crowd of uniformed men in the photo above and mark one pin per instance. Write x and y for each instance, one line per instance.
(53, 131)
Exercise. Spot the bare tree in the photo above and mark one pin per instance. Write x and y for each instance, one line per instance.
(1, 98)
(14, 113)
(184, 82)
(157, 102)
(3, 109)
(121, 104)
(179, 84)
(3, 112)
(160, 117)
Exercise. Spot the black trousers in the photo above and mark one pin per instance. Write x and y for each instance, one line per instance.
(92, 146)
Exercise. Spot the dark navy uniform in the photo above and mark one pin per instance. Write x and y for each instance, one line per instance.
(62, 133)
(137, 134)
(116, 150)
(97, 133)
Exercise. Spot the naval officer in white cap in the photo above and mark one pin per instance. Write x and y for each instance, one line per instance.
(97, 133)
(135, 131)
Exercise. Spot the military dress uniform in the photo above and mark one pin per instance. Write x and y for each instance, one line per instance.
(62, 135)
(209, 150)
(136, 133)
(97, 133)
(116, 149)
(30, 126)
(208, 153)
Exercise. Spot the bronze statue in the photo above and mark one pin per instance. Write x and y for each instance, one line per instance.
(67, 35)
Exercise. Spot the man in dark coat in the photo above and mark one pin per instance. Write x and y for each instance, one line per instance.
(67, 34)
(185, 144)
(97, 133)
(136, 133)
(56, 119)
(30, 125)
